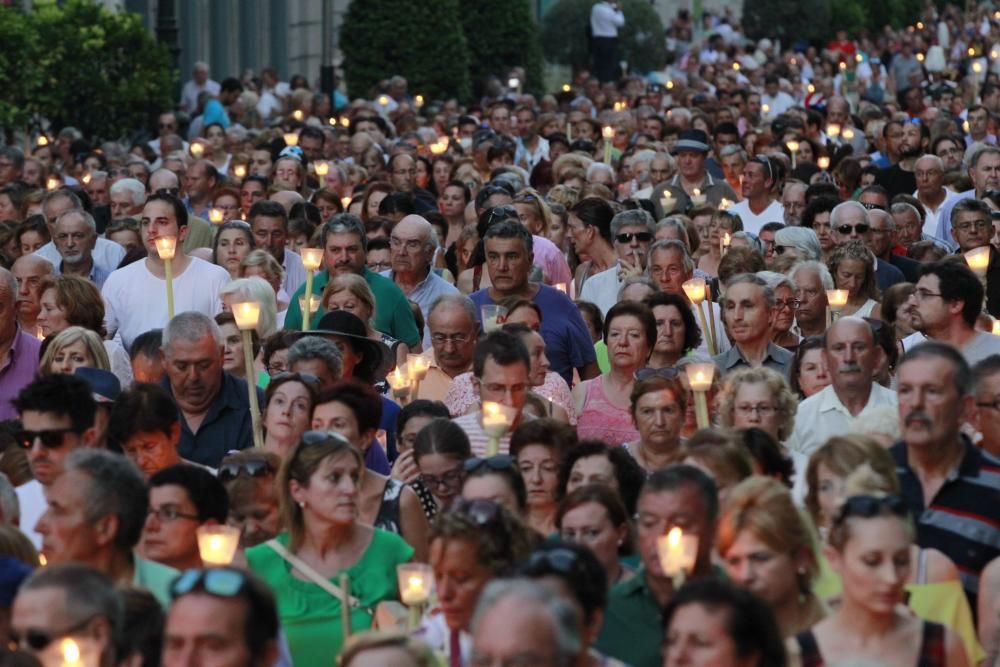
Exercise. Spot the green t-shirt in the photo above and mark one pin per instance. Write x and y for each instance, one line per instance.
(633, 629)
(310, 616)
(154, 577)
(392, 311)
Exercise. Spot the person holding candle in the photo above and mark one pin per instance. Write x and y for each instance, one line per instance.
(320, 489)
(603, 402)
(539, 447)
(711, 395)
(723, 224)
(233, 242)
(758, 398)
(127, 292)
(472, 543)
(227, 201)
(680, 497)
(658, 402)
(853, 269)
(288, 405)
(692, 150)
(768, 548)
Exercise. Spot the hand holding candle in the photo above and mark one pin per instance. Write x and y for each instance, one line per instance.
(700, 378)
(311, 259)
(497, 419)
(247, 315)
(400, 382)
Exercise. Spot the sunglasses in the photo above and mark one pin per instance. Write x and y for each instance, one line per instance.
(38, 640)
(872, 207)
(844, 230)
(866, 507)
(481, 512)
(782, 249)
(168, 191)
(230, 471)
(560, 561)
(666, 373)
(641, 237)
(52, 438)
(501, 213)
(222, 582)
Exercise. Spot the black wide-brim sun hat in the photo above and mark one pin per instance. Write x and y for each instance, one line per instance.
(376, 358)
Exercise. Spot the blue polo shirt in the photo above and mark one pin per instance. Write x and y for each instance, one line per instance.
(227, 424)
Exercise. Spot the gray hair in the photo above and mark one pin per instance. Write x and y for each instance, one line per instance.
(877, 212)
(117, 488)
(843, 206)
(637, 280)
(565, 619)
(88, 219)
(938, 162)
(629, 218)
(191, 326)
(460, 300)
(750, 279)
(752, 239)
(313, 347)
(133, 187)
(345, 223)
(812, 265)
(802, 238)
(10, 506)
(675, 223)
(671, 244)
(984, 149)
(59, 194)
(594, 167)
(793, 184)
(776, 280)
(98, 175)
(733, 149)
(256, 289)
(88, 593)
(905, 207)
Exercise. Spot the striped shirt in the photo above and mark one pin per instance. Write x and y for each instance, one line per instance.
(478, 439)
(963, 519)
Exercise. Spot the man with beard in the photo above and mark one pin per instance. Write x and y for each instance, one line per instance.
(906, 142)
(948, 301)
(75, 236)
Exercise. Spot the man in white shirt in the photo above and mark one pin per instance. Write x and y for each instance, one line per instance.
(107, 254)
(199, 83)
(759, 205)
(775, 101)
(852, 357)
(135, 296)
(631, 234)
(605, 20)
(931, 193)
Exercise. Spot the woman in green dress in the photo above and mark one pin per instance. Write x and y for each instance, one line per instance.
(318, 486)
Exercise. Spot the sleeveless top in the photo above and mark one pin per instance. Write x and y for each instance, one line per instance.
(388, 512)
(932, 649)
(866, 308)
(599, 419)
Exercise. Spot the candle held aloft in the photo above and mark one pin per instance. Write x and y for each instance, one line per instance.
(217, 544)
(321, 168)
(291, 138)
(311, 258)
(677, 552)
(246, 314)
(240, 171)
(697, 198)
(978, 260)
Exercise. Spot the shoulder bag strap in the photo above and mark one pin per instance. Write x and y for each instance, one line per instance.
(312, 574)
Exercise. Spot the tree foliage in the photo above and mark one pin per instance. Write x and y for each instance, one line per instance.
(788, 21)
(80, 64)
(640, 44)
(502, 35)
(421, 40)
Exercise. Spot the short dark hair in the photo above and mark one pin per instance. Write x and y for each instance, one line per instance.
(442, 436)
(360, 397)
(558, 436)
(63, 395)
(637, 310)
(503, 348)
(148, 343)
(145, 408)
(509, 229)
(231, 84)
(585, 577)
(985, 368)
(957, 282)
(203, 488)
(692, 332)
(180, 210)
(311, 132)
(420, 408)
(268, 209)
(508, 471)
(674, 477)
(628, 473)
(938, 350)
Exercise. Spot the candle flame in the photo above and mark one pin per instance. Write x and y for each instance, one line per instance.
(674, 537)
(70, 651)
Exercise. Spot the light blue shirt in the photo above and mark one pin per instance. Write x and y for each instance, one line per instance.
(424, 295)
(944, 217)
(107, 254)
(97, 274)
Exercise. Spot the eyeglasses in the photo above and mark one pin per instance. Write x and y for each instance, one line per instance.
(761, 410)
(222, 582)
(449, 480)
(844, 230)
(170, 512)
(498, 462)
(379, 267)
(791, 304)
(866, 507)
(992, 405)
(38, 640)
(52, 438)
(444, 339)
(230, 471)
(782, 249)
(923, 295)
(641, 237)
(666, 373)
(969, 224)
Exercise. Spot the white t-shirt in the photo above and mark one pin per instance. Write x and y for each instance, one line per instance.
(135, 300)
(752, 223)
(31, 499)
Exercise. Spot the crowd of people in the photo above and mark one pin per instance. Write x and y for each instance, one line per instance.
(698, 368)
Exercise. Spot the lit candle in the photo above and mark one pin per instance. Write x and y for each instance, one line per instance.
(726, 241)
(492, 315)
(418, 101)
(291, 139)
(86, 178)
(569, 131)
(842, 66)
(311, 258)
(247, 315)
(811, 88)
(667, 202)
(725, 204)
(345, 121)
(240, 171)
(847, 133)
(695, 290)
(766, 108)
(43, 140)
(52, 183)
(217, 544)
(700, 378)
(977, 67)
(417, 365)
(216, 216)
(400, 383)
(561, 287)
(383, 100)
(836, 299)
(978, 260)
(497, 419)
(321, 168)
(166, 247)
(859, 58)
(566, 88)
(197, 148)
(996, 327)
(833, 130)
(677, 554)
(793, 148)
(298, 115)
(345, 202)
(670, 84)
(823, 162)
(971, 51)
(697, 198)
(440, 146)
(736, 67)
(920, 57)
(608, 133)
(415, 583)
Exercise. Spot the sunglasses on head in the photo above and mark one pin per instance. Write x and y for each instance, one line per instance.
(38, 640)
(229, 471)
(666, 372)
(641, 237)
(498, 462)
(481, 512)
(52, 438)
(501, 213)
(866, 507)
(860, 229)
(222, 582)
(559, 560)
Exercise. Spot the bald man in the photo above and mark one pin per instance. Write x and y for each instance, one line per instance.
(412, 245)
(28, 271)
(288, 199)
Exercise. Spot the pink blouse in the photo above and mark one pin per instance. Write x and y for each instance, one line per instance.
(601, 420)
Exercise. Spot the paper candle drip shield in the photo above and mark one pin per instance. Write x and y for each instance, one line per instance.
(497, 418)
(416, 581)
(677, 552)
(837, 298)
(217, 544)
(312, 258)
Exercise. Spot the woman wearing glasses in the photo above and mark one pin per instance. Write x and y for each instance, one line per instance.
(853, 269)
(320, 490)
(440, 450)
(758, 398)
(472, 543)
(785, 305)
(603, 403)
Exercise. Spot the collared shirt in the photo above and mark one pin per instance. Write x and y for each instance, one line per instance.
(963, 519)
(632, 630)
(932, 215)
(776, 358)
(944, 216)
(823, 415)
(434, 387)
(424, 294)
(155, 578)
(713, 190)
(17, 371)
(478, 439)
(97, 274)
(392, 312)
(529, 159)
(107, 254)
(225, 427)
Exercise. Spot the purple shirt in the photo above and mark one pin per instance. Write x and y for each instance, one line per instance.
(17, 371)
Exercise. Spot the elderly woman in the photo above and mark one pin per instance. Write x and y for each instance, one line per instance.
(677, 331)
(320, 491)
(73, 348)
(658, 401)
(233, 242)
(785, 305)
(256, 290)
(262, 264)
(603, 403)
(539, 447)
(350, 292)
(67, 301)
(146, 425)
(288, 406)
(853, 268)
(761, 398)
(798, 243)
(589, 232)
(595, 462)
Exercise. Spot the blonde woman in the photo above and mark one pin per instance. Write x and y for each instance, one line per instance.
(350, 292)
(768, 547)
(72, 348)
(758, 398)
(852, 266)
(533, 211)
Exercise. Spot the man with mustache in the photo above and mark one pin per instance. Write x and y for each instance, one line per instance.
(853, 358)
(948, 484)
